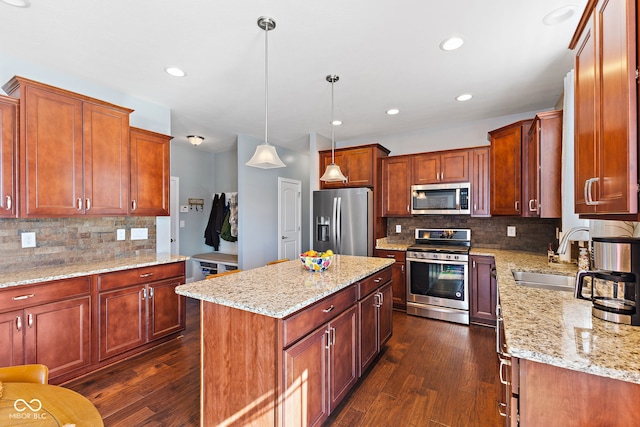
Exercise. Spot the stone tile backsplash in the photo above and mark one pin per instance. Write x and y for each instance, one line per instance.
(72, 240)
(532, 234)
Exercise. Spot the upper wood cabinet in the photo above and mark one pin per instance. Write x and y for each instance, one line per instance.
(506, 168)
(74, 152)
(448, 166)
(149, 173)
(606, 144)
(358, 164)
(396, 186)
(8, 156)
(480, 182)
(543, 154)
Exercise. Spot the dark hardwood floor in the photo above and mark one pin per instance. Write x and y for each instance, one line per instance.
(431, 373)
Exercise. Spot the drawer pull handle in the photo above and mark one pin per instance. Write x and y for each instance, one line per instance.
(391, 256)
(326, 310)
(378, 280)
(146, 275)
(21, 297)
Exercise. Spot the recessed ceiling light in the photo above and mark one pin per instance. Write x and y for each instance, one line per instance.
(336, 122)
(17, 3)
(452, 43)
(464, 97)
(392, 111)
(559, 15)
(175, 71)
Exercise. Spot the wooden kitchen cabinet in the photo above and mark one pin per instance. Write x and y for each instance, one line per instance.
(399, 276)
(483, 290)
(74, 152)
(441, 167)
(138, 306)
(358, 164)
(480, 181)
(396, 186)
(506, 167)
(150, 174)
(8, 156)
(543, 154)
(48, 323)
(606, 140)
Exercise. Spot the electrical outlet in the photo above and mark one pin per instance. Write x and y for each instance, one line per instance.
(28, 239)
(511, 231)
(398, 228)
(182, 223)
(120, 234)
(139, 233)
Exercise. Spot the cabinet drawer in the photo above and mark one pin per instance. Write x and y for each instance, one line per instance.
(399, 256)
(315, 315)
(136, 276)
(18, 297)
(371, 283)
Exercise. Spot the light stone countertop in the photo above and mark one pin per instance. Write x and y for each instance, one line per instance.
(45, 274)
(281, 289)
(555, 328)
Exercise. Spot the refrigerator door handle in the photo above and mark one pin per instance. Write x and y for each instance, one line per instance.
(334, 233)
(339, 225)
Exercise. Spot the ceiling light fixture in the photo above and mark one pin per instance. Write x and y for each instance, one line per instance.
(559, 15)
(392, 111)
(175, 71)
(452, 43)
(464, 97)
(195, 139)
(333, 172)
(17, 3)
(265, 156)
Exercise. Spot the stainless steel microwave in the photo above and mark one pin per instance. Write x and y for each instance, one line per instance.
(441, 199)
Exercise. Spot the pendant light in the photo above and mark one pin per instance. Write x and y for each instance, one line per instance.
(265, 156)
(333, 172)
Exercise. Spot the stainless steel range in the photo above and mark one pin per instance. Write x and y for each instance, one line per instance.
(438, 274)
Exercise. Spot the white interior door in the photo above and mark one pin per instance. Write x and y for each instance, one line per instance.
(289, 218)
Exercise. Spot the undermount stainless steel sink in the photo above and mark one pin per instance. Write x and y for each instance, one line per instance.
(552, 282)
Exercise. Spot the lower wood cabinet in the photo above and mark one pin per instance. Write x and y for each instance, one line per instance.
(48, 323)
(399, 276)
(376, 311)
(483, 290)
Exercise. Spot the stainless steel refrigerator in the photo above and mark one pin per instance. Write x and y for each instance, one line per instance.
(343, 221)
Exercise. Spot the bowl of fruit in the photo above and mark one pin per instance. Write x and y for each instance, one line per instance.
(316, 261)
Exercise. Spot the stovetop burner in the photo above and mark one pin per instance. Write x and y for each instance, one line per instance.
(455, 241)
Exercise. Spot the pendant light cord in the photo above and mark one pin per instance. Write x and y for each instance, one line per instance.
(333, 156)
(266, 80)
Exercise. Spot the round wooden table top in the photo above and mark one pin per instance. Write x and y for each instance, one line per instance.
(23, 404)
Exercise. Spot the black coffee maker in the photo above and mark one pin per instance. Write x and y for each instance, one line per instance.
(615, 282)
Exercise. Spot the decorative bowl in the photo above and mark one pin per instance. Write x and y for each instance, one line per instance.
(316, 263)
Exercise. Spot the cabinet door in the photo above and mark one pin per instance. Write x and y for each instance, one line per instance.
(325, 160)
(343, 356)
(167, 309)
(454, 166)
(359, 166)
(11, 338)
(149, 173)
(122, 317)
(305, 393)
(8, 156)
(399, 276)
(483, 292)
(51, 154)
(368, 347)
(426, 168)
(106, 160)
(506, 152)
(396, 186)
(531, 173)
(479, 183)
(385, 314)
(59, 335)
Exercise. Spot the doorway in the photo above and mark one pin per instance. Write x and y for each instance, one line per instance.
(289, 218)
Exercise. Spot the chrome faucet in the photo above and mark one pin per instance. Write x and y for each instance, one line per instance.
(562, 247)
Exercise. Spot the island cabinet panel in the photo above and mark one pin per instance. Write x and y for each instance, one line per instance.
(8, 156)
(553, 396)
(74, 152)
(40, 320)
(149, 173)
(375, 312)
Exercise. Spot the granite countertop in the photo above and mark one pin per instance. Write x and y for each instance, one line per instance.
(45, 274)
(555, 328)
(281, 289)
(387, 245)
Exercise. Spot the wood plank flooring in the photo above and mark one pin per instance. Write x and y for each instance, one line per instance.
(431, 373)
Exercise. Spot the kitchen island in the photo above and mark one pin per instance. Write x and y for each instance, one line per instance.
(283, 346)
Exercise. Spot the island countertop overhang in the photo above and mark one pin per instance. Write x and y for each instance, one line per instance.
(282, 289)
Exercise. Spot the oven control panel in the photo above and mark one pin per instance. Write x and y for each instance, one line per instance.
(438, 256)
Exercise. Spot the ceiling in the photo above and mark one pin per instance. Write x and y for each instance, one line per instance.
(385, 52)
